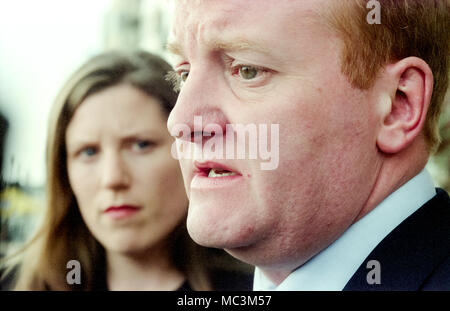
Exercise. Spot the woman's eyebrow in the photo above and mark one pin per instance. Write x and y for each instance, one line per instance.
(140, 133)
(75, 145)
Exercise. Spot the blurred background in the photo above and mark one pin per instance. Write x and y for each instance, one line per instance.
(41, 44)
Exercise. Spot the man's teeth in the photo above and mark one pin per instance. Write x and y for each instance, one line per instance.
(220, 173)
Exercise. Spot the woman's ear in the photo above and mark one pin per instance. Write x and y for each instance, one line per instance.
(402, 122)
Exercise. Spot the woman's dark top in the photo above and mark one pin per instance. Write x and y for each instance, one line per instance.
(222, 280)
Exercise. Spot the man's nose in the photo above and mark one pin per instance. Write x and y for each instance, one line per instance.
(199, 103)
(115, 173)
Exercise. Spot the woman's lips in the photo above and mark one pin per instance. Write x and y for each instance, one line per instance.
(122, 211)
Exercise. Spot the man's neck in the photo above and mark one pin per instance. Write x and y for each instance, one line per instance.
(394, 172)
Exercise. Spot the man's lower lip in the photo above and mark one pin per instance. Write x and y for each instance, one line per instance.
(122, 212)
(202, 181)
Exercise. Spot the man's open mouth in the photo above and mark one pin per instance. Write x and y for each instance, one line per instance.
(214, 170)
(217, 172)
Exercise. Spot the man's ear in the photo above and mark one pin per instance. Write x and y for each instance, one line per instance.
(412, 85)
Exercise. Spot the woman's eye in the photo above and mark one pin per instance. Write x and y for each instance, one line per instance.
(89, 151)
(248, 72)
(142, 144)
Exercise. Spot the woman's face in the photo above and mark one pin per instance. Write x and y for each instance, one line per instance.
(128, 187)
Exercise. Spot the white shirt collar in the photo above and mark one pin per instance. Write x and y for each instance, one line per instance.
(331, 269)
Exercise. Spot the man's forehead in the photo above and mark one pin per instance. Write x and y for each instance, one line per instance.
(193, 16)
(211, 4)
(206, 20)
(223, 11)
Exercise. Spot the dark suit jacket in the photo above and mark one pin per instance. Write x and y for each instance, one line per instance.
(415, 255)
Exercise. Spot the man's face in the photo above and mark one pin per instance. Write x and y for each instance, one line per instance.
(272, 62)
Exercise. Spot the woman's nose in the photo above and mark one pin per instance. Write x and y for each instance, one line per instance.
(115, 174)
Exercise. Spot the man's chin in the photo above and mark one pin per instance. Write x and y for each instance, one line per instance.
(220, 226)
(213, 237)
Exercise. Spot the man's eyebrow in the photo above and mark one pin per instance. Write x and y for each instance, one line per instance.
(233, 45)
(236, 44)
(175, 48)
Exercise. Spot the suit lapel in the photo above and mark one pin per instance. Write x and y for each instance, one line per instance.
(410, 253)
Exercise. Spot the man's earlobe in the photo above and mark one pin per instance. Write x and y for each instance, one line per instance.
(403, 122)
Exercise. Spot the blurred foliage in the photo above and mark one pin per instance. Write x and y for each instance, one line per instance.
(15, 202)
(19, 213)
(440, 161)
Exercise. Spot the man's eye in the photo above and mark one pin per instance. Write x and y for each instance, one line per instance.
(248, 72)
(184, 75)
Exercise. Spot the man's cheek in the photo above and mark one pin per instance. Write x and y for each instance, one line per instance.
(185, 167)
